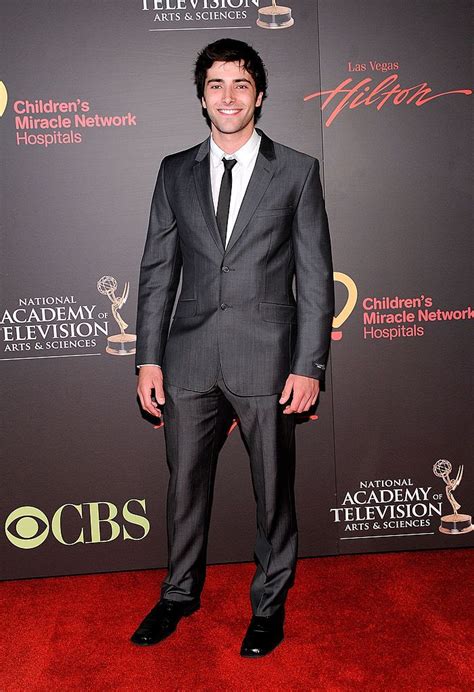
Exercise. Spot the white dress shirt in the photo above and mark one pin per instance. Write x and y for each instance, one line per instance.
(246, 157)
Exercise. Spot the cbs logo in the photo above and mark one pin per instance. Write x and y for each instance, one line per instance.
(90, 522)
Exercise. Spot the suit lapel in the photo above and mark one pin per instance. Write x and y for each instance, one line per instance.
(260, 179)
(202, 181)
(262, 174)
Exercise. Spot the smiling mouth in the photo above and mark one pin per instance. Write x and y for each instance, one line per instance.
(229, 111)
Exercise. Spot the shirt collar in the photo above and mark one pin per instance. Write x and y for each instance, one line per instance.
(244, 155)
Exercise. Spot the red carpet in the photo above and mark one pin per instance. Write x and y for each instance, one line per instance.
(398, 621)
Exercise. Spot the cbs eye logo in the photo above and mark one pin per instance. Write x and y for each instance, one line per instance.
(90, 522)
(27, 527)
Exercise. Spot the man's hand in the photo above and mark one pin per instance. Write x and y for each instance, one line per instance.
(305, 393)
(149, 378)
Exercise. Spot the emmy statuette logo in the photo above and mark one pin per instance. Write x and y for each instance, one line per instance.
(275, 17)
(452, 523)
(119, 344)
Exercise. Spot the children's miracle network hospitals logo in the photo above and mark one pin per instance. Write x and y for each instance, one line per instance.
(45, 122)
(394, 317)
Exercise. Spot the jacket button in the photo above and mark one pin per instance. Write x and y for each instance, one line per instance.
(223, 306)
(225, 269)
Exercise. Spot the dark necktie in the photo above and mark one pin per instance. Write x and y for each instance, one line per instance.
(223, 202)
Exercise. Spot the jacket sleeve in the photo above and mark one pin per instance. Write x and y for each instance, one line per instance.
(314, 280)
(159, 276)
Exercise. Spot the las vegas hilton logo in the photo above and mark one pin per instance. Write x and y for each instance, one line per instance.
(119, 344)
(275, 17)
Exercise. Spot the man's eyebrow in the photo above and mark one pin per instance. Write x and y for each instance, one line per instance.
(240, 79)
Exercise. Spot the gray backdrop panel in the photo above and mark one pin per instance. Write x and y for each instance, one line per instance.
(396, 188)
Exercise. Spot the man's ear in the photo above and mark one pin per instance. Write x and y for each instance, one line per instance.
(203, 102)
(259, 100)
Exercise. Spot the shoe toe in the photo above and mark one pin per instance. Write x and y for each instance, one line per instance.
(260, 642)
(141, 638)
(251, 651)
(147, 637)
(161, 621)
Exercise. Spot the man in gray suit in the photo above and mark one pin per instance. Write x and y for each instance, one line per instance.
(241, 216)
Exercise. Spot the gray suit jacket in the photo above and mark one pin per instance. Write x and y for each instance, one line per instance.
(237, 304)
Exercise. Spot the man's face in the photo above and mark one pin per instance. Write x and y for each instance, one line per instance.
(230, 97)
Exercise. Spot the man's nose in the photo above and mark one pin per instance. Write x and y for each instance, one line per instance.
(228, 96)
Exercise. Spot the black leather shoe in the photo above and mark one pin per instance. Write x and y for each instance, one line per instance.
(263, 634)
(162, 620)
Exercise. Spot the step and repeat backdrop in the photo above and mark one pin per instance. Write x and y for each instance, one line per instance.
(92, 96)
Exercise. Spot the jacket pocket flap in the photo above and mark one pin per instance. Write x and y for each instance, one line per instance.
(186, 307)
(274, 211)
(277, 312)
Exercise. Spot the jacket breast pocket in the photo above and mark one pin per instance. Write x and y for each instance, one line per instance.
(274, 211)
(187, 307)
(278, 312)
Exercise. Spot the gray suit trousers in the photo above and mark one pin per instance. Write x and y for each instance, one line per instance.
(195, 427)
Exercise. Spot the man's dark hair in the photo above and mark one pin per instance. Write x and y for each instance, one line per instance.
(230, 50)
